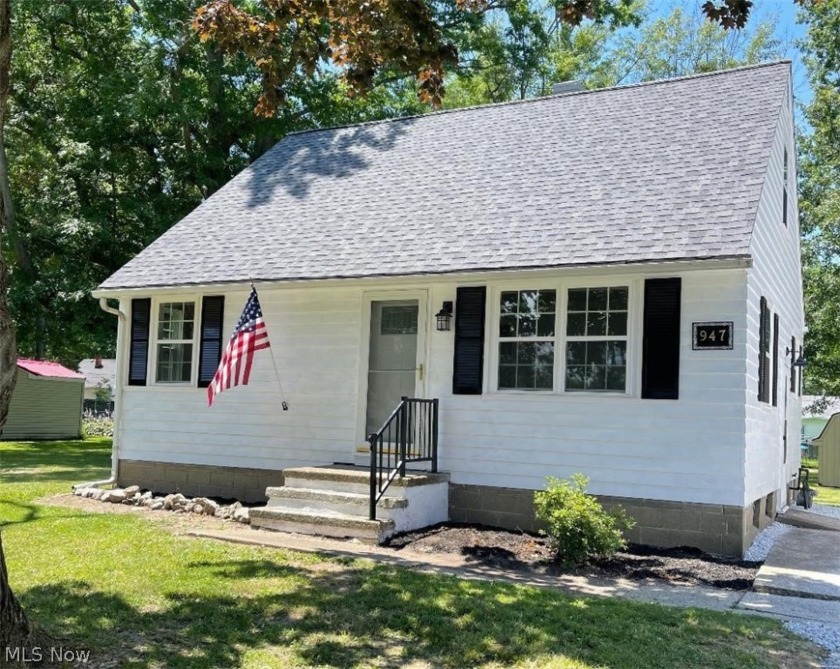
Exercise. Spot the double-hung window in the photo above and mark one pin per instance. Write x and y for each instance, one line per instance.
(596, 339)
(174, 342)
(527, 323)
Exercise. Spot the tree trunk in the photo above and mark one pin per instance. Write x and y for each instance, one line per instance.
(15, 628)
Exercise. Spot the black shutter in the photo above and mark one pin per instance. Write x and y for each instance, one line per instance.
(210, 347)
(141, 311)
(661, 340)
(792, 364)
(775, 360)
(763, 336)
(468, 374)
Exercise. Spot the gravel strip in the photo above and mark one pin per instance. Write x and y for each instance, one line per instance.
(822, 634)
(760, 547)
(823, 510)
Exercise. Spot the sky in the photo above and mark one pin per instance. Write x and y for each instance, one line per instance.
(783, 13)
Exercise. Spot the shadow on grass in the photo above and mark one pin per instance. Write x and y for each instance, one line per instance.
(388, 617)
(50, 461)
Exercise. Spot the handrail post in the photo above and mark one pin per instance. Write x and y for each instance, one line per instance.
(373, 475)
(403, 450)
(435, 403)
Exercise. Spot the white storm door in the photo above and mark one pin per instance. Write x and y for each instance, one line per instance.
(393, 369)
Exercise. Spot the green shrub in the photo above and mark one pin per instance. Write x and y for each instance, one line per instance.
(98, 426)
(578, 527)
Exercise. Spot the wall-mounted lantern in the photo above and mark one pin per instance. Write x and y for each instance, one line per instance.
(444, 317)
(800, 359)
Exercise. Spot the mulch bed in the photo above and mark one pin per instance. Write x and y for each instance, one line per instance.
(519, 551)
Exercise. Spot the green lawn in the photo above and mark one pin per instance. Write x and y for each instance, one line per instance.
(141, 597)
(825, 495)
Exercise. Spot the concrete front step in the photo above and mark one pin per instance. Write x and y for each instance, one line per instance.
(350, 479)
(347, 503)
(322, 523)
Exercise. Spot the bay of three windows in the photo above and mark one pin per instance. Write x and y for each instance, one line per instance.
(594, 324)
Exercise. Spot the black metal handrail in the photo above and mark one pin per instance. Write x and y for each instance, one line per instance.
(410, 434)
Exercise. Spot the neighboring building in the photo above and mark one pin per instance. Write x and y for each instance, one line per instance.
(625, 271)
(46, 403)
(100, 378)
(828, 445)
(816, 410)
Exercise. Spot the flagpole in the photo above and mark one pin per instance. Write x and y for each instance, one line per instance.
(283, 403)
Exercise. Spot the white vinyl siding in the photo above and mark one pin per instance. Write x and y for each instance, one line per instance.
(688, 450)
(776, 274)
(314, 335)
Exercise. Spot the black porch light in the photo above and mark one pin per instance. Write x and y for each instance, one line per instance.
(800, 359)
(444, 317)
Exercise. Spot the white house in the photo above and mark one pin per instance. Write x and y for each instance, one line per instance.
(100, 378)
(816, 410)
(623, 270)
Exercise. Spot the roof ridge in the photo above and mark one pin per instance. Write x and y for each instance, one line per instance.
(544, 98)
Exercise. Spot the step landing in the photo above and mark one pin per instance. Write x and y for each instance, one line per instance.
(334, 501)
(322, 523)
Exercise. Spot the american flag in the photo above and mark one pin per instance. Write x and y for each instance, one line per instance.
(249, 336)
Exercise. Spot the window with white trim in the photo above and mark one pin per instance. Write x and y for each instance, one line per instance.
(527, 325)
(174, 342)
(596, 339)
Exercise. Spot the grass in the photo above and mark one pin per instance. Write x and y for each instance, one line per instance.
(825, 495)
(138, 596)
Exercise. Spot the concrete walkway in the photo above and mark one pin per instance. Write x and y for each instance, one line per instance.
(800, 580)
(654, 592)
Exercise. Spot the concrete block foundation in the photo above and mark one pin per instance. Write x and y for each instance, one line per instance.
(714, 528)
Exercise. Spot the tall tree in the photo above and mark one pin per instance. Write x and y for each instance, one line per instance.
(121, 121)
(820, 199)
(367, 38)
(682, 43)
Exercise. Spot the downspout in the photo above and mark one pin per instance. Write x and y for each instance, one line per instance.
(118, 399)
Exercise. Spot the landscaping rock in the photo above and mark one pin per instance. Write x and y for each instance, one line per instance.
(117, 496)
(132, 489)
(156, 505)
(208, 506)
(242, 515)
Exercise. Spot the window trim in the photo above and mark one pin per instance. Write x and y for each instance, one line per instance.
(562, 286)
(785, 182)
(154, 341)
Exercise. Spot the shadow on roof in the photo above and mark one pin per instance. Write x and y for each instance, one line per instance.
(300, 159)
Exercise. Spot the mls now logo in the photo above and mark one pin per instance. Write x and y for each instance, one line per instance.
(52, 654)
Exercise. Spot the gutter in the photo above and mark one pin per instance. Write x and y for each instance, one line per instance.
(118, 403)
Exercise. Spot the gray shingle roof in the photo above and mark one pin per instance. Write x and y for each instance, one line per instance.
(660, 171)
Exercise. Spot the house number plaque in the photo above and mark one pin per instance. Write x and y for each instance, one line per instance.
(712, 336)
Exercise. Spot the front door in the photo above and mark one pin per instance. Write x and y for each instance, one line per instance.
(392, 362)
